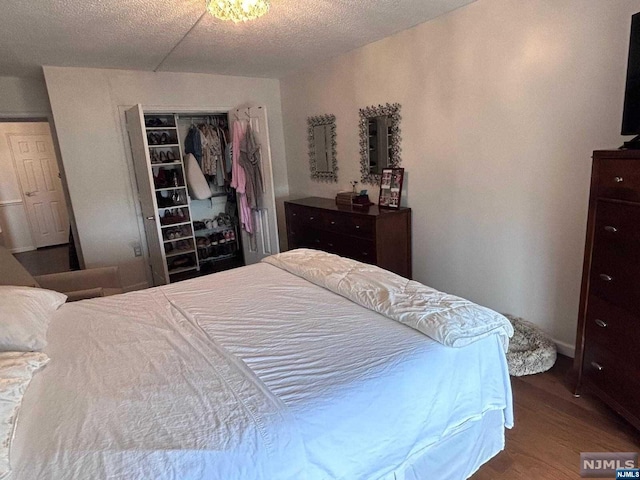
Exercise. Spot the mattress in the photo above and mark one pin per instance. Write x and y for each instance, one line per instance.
(252, 373)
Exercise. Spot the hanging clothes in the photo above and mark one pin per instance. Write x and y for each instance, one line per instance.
(207, 160)
(250, 162)
(221, 176)
(239, 179)
(193, 143)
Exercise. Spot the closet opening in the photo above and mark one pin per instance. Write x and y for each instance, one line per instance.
(205, 186)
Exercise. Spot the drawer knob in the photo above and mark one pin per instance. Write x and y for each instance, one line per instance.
(600, 323)
(606, 278)
(311, 218)
(618, 179)
(357, 227)
(333, 223)
(366, 254)
(597, 366)
(611, 229)
(330, 244)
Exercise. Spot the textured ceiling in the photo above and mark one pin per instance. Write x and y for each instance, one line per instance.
(167, 35)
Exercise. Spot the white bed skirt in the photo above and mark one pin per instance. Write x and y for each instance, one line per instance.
(458, 455)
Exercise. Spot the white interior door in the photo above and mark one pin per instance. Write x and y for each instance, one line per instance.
(37, 168)
(146, 194)
(264, 218)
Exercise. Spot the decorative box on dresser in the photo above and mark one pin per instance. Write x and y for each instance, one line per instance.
(371, 234)
(608, 340)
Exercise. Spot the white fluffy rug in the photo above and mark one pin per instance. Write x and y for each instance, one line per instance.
(530, 350)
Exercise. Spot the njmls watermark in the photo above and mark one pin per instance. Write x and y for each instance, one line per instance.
(605, 464)
(628, 473)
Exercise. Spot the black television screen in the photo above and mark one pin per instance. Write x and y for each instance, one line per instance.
(631, 115)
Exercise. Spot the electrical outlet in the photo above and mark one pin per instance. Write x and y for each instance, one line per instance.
(137, 249)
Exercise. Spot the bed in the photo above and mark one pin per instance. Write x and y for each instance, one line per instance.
(268, 371)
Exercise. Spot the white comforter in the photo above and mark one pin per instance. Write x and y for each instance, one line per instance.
(450, 320)
(252, 373)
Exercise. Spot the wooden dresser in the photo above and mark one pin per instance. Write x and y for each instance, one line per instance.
(608, 340)
(373, 235)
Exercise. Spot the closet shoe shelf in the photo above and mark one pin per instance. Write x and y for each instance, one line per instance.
(165, 164)
(163, 145)
(217, 258)
(177, 239)
(175, 253)
(183, 269)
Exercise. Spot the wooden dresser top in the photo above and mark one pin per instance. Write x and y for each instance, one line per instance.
(330, 204)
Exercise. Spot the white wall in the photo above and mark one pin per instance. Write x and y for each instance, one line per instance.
(502, 105)
(23, 96)
(88, 106)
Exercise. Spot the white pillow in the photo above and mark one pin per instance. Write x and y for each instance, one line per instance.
(198, 186)
(24, 317)
(16, 371)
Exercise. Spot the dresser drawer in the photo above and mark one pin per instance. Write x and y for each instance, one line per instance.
(612, 374)
(304, 216)
(614, 329)
(349, 224)
(619, 179)
(618, 225)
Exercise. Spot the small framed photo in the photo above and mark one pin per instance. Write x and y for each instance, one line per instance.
(391, 187)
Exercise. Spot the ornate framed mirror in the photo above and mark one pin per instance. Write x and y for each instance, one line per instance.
(379, 141)
(322, 148)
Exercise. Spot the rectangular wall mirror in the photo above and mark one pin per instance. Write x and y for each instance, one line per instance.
(322, 148)
(379, 141)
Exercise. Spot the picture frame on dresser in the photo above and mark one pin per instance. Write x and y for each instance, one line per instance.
(391, 188)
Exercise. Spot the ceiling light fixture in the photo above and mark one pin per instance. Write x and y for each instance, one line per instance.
(237, 10)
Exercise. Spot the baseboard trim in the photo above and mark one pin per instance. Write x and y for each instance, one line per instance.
(22, 249)
(136, 286)
(565, 348)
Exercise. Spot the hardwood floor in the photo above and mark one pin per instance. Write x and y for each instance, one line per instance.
(45, 260)
(552, 428)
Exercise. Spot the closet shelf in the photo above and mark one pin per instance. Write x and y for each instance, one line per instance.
(175, 225)
(165, 164)
(164, 189)
(178, 239)
(183, 269)
(175, 253)
(163, 145)
(161, 128)
(219, 257)
(208, 231)
(160, 207)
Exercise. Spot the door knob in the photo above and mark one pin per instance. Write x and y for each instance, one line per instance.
(29, 194)
(151, 218)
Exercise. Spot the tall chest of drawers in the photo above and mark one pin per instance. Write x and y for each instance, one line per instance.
(372, 235)
(608, 339)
